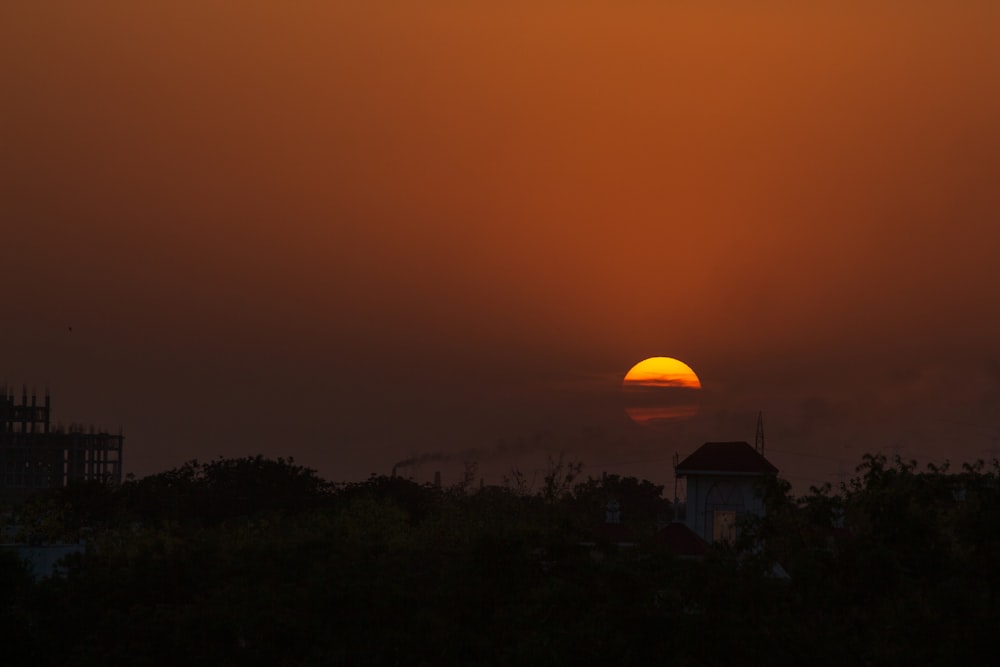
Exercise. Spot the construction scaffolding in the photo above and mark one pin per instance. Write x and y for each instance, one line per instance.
(34, 455)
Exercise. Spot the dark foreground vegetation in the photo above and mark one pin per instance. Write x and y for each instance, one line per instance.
(261, 562)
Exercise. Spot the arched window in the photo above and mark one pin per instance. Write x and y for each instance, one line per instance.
(722, 505)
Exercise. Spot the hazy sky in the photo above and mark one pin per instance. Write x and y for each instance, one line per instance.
(356, 232)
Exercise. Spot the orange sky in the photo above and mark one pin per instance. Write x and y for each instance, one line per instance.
(353, 232)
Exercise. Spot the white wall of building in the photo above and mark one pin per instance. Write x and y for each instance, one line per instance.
(714, 500)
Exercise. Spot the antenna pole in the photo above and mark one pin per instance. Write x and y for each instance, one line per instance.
(758, 443)
(676, 461)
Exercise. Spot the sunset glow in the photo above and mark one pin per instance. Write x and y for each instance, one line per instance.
(364, 233)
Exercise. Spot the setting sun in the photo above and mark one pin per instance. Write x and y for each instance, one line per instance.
(662, 372)
(659, 390)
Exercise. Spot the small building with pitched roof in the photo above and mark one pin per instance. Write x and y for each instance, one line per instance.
(720, 479)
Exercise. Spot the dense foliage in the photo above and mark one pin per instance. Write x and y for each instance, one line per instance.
(256, 561)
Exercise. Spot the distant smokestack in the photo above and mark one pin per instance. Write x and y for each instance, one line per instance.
(437, 479)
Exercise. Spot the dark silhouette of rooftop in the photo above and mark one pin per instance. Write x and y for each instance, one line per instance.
(737, 458)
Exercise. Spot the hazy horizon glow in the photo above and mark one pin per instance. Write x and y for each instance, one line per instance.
(356, 233)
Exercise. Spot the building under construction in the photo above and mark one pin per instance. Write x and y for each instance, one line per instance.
(34, 455)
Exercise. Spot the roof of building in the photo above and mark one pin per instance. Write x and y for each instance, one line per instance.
(726, 457)
(680, 540)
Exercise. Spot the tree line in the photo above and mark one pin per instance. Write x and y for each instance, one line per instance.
(261, 561)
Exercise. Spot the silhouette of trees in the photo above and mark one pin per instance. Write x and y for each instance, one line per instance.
(257, 561)
(224, 488)
(642, 502)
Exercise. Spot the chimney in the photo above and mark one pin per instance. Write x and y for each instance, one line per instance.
(437, 479)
